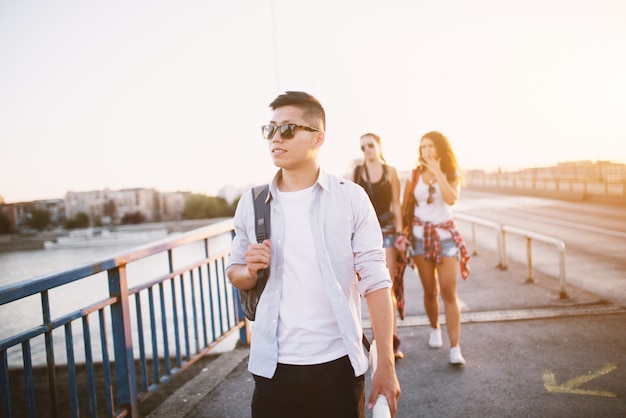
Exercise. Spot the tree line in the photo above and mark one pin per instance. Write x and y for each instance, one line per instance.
(197, 206)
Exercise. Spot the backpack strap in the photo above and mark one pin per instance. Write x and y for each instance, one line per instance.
(261, 212)
(409, 202)
(261, 218)
(366, 342)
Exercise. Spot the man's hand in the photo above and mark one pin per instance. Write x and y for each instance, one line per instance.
(258, 257)
(385, 382)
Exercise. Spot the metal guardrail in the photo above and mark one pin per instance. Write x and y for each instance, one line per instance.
(152, 331)
(608, 188)
(490, 224)
(502, 230)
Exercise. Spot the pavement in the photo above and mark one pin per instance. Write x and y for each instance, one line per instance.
(529, 351)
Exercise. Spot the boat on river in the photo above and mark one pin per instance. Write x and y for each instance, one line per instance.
(92, 237)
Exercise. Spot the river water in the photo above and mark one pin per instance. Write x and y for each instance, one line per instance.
(16, 266)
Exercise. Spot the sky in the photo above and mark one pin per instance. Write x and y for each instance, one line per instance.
(171, 94)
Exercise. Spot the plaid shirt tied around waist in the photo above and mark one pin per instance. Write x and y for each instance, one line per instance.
(432, 243)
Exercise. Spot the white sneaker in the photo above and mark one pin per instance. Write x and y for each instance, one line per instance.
(435, 340)
(456, 357)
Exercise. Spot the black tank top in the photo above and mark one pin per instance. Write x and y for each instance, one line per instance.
(379, 192)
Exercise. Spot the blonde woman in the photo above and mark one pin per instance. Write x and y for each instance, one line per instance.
(382, 184)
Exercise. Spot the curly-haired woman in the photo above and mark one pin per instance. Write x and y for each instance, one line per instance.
(435, 245)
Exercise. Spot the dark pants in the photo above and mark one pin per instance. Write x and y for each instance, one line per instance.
(323, 390)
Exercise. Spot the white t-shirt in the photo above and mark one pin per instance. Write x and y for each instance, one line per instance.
(308, 332)
(437, 212)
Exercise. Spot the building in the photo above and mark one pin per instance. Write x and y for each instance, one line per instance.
(19, 214)
(172, 205)
(110, 206)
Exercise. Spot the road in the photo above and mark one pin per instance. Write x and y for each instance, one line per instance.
(528, 353)
(594, 237)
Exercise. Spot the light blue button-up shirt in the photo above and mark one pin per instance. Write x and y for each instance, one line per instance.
(348, 241)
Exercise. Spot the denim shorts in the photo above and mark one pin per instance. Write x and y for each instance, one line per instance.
(389, 239)
(448, 248)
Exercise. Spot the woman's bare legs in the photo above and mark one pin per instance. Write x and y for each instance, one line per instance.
(426, 271)
(447, 281)
(447, 272)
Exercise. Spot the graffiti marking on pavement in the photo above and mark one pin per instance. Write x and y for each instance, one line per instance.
(571, 386)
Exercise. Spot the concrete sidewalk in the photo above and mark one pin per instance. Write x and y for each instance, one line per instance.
(529, 353)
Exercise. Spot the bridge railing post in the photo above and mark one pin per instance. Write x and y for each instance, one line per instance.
(529, 258)
(123, 341)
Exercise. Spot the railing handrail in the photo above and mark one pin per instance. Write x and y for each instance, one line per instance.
(29, 287)
(501, 231)
(534, 235)
(605, 188)
(490, 224)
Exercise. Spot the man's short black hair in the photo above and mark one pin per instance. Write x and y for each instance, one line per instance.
(312, 108)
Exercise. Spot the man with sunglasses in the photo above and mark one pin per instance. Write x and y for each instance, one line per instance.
(324, 253)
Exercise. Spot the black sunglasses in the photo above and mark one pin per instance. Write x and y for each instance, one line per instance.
(431, 192)
(369, 145)
(287, 131)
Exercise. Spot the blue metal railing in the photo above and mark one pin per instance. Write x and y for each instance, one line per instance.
(132, 340)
